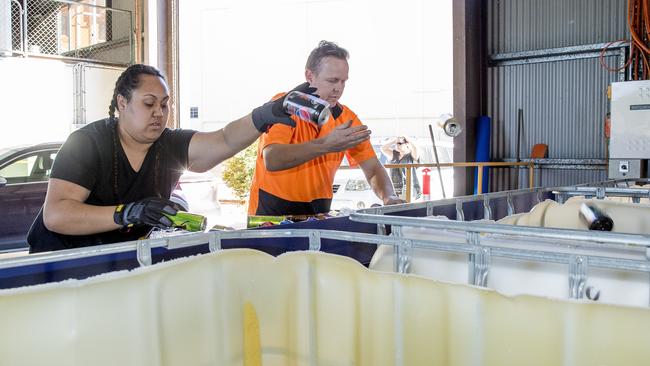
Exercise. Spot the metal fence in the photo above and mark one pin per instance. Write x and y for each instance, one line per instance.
(16, 28)
(68, 29)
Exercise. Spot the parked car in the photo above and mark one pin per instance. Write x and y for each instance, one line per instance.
(350, 187)
(25, 170)
(352, 191)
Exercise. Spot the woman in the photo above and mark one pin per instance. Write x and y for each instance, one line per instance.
(400, 150)
(112, 179)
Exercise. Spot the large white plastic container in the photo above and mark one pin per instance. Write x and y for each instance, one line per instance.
(530, 277)
(243, 307)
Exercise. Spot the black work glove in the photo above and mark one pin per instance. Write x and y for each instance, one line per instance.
(272, 112)
(148, 211)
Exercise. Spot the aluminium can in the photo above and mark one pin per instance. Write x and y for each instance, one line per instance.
(307, 107)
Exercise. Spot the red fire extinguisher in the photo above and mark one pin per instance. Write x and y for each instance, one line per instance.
(426, 184)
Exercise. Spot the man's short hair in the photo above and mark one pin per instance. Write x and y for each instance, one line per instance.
(324, 49)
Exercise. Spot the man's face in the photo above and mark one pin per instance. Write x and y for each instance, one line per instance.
(330, 79)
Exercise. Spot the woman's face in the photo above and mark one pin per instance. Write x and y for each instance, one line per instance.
(145, 116)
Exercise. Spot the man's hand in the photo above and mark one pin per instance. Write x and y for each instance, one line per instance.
(149, 211)
(393, 200)
(272, 112)
(344, 137)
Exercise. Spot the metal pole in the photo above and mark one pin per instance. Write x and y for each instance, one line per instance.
(407, 191)
(136, 39)
(520, 123)
(479, 180)
(435, 154)
(6, 25)
(70, 17)
(25, 31)
(520, 126)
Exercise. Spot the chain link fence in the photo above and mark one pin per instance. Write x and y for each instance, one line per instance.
(16, 26)
(71, 29)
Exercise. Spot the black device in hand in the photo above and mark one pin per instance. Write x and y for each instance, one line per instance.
(149, 211)
(273, 112)
(595, 218)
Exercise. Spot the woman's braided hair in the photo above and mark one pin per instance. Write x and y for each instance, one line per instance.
(124, 86)
(128, 81)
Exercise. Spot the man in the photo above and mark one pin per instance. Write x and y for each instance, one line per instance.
(295, 166)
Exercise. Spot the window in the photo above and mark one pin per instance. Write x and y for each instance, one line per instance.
(29, 169)
(194, 112)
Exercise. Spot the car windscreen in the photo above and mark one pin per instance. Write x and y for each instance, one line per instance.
(4, 152)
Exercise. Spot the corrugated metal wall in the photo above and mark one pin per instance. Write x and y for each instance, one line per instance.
(523, 25)
(564, 102)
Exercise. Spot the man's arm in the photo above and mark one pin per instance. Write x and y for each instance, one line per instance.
(65, 212)
(286, 156)
(380, 182)
(208, 149)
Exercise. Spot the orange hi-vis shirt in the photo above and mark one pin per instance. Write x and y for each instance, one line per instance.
(307, 188)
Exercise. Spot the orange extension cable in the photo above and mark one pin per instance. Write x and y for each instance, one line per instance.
(638, 20)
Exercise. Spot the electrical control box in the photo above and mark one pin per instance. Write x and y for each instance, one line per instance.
(629, 144)
(626, 168)
(630, 115)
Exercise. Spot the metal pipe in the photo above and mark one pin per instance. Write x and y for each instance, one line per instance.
(6, 46)
(479, 179)
(642, 241)
(435, 154)
(520, 126)
(407, 188)
(115, 10)
(468, 164)
(76, 59)
(22, 33)
(25, 30)
(175, 242)
(557, 54)
(137, 38)
(70, 17)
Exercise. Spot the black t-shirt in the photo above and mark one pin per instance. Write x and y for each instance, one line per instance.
(93, 158)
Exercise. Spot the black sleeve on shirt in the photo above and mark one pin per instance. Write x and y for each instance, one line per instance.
(177, 143)
(77, 161)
